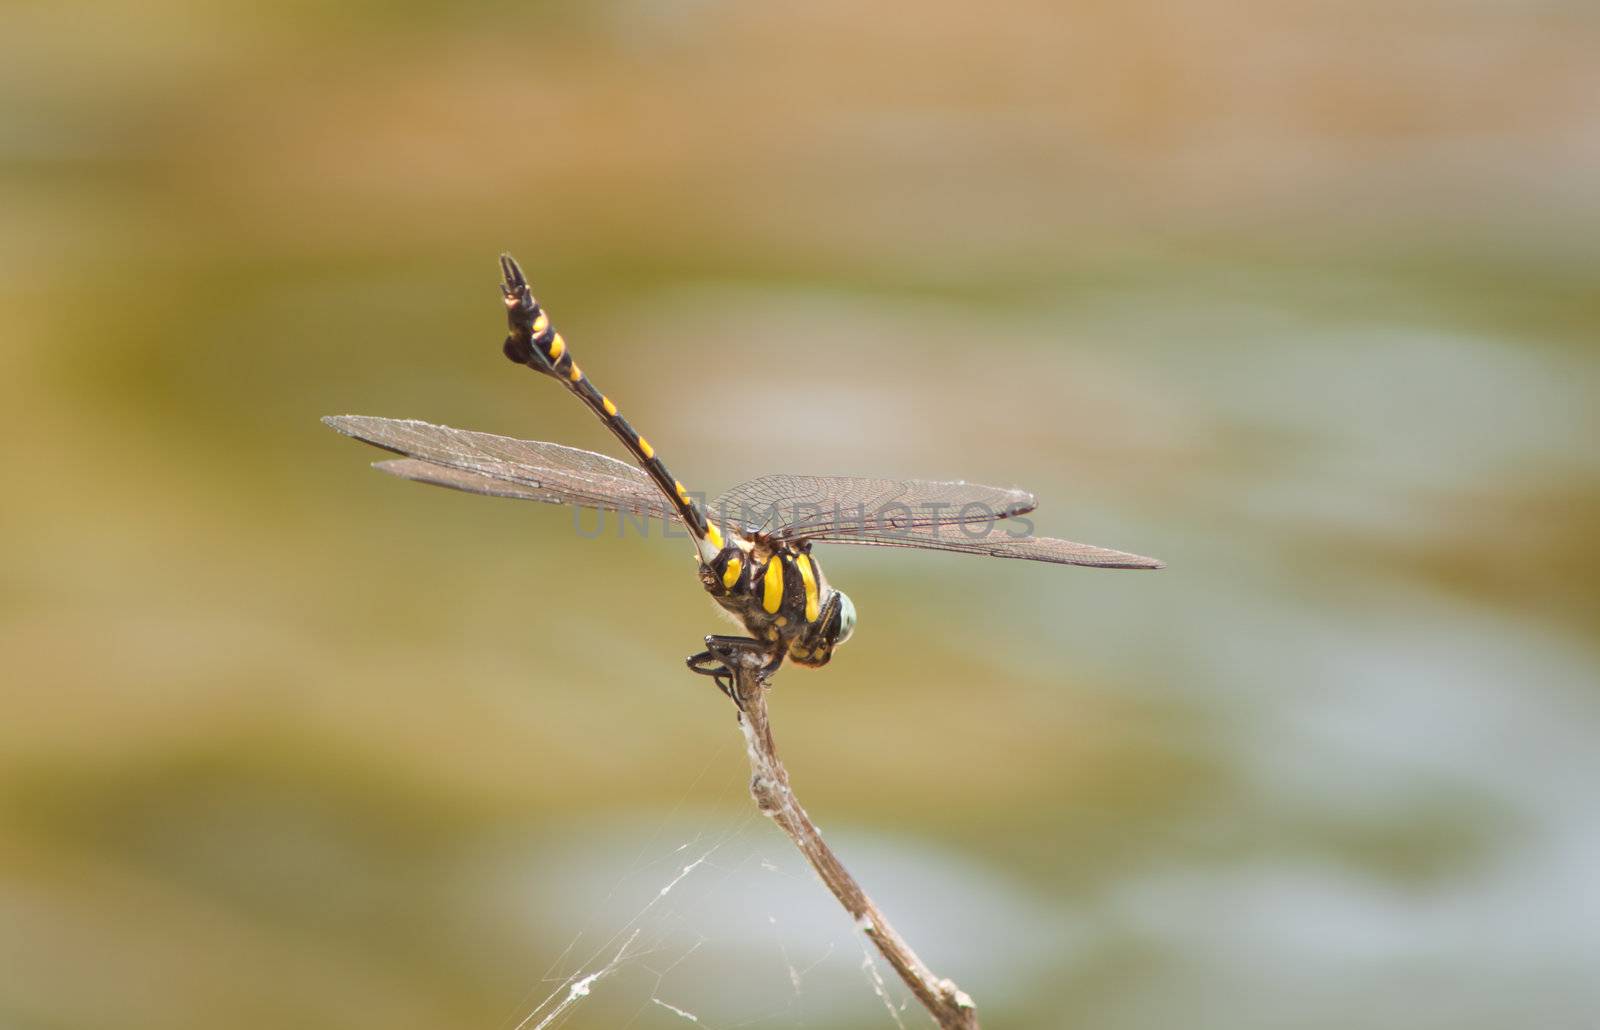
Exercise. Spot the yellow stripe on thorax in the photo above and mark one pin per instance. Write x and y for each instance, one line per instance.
(809, 577)
(713, 535)
(730, 575)
(772, 585)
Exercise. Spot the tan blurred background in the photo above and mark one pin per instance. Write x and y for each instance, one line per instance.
(1301, 298)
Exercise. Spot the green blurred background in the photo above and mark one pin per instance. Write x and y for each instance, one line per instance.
(1300, 298)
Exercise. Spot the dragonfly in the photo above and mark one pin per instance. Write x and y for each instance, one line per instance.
(753, 544)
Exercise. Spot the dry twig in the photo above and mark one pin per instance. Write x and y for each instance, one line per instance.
(769, 785)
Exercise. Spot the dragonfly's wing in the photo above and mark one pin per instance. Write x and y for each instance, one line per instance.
(471, 482)
(500, 466)
(995, 541)
(811, 507)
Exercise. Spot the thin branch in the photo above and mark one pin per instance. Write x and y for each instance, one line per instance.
(949, 1005)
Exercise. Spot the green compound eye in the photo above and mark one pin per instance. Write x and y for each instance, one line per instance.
(847, 618)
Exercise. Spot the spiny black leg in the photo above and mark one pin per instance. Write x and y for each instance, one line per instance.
(725, 648)
(723, 653)
(702, 663)
(706, 663)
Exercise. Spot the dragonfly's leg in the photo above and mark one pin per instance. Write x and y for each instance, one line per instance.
(730, 650)
(705, 663)
(729, 653)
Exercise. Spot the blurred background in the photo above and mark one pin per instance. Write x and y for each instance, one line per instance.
(1301, 299)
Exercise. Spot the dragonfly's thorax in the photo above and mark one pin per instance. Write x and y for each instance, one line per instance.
(778, 592)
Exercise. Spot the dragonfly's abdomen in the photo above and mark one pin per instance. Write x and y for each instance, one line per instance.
(535, 343)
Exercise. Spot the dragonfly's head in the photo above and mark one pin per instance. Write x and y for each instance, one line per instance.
(835, 624)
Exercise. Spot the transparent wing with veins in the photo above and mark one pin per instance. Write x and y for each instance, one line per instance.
(500, 466)
(995, 541)
(965, 518)
(813, 507)
(960, 517)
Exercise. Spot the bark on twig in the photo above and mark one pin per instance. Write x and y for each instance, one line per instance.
(769, 785)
